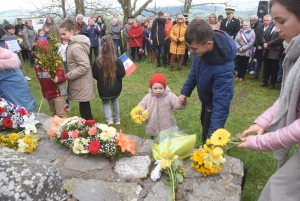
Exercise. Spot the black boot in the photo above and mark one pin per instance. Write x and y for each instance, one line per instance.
(157, 65)
(172, 68)
(179, 68)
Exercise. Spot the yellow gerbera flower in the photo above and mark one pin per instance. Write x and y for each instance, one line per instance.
(217, 152)
(220, 137)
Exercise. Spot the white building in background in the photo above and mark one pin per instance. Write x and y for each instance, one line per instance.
(37, 22)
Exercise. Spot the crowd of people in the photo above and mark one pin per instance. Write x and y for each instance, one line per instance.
(218, 47)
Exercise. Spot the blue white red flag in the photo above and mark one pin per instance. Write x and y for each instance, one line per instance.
(129, 66)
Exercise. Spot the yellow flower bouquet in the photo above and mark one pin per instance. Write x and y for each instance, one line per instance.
(139, 115)
(25, 143)
(209, 158)
(173, 167)
(175, 141)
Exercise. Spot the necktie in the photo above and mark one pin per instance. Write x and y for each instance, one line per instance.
(227, 23)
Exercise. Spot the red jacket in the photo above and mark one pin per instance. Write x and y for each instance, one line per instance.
(168, 27)
(135, 36)
(49, 88)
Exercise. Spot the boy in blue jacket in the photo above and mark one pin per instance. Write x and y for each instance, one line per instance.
(212, 72)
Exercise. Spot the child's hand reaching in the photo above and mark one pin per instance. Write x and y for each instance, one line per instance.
(55, 80)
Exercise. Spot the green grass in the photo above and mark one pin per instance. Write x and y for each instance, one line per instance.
(249, 101)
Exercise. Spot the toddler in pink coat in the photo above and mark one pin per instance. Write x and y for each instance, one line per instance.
(160, 103)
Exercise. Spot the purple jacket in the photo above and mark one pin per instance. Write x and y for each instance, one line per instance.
(284, 137)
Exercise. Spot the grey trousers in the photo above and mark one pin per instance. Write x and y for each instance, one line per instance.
(107, 110)
(284, 184)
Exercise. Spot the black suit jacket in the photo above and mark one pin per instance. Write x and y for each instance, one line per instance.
(232, 28)
(17, 27)
(274, 42)
(259, 30)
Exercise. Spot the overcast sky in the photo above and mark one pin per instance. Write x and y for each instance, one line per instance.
(237, 4)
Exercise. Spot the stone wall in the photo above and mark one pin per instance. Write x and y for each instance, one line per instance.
(97, 178)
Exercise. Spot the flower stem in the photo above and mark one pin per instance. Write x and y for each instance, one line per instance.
(230, 142)
(172, 182)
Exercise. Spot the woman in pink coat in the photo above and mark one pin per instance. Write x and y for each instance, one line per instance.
(283, 118)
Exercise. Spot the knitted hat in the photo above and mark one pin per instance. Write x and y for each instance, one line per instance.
(158, 78)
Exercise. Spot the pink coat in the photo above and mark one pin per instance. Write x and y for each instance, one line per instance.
(284, 137)
(160, 110)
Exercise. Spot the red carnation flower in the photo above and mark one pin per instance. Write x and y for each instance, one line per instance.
(7, 122)
(23, 112)
(94, 147)
(90, 122)
(1, 110)
(64, 135)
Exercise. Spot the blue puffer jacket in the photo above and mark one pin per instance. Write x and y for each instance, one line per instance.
(92, 34)
(213, 74)
(147, 39)
(13, 86)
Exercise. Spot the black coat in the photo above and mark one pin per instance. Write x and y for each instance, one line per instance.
(17, 27)
(259, 31)
(274, 42)
(158, 31)
(232, 28)
(104, 89)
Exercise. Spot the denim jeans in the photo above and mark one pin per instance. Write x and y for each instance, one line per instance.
(31, 59)
(258, 67)
(160, 50)
(116, 42)
(99, 40)
(107, 110)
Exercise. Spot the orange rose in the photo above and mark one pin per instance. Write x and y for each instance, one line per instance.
(53, 131)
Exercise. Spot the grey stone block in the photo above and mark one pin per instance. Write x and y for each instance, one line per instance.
(98, 190)
(134, 167)
(23, 177)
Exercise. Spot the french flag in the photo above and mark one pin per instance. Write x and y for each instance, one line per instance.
(129, 66)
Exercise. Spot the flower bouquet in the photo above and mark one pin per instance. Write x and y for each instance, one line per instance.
(177, 142)
(173, 167)
(89, 137)
(209, 158)
(47, 55)
(25, 143)
(13, 116)
(139, 115)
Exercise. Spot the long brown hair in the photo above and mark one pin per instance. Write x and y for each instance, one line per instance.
(107, 60)
(291, 5)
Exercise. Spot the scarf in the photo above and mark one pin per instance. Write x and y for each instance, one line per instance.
(290, 90)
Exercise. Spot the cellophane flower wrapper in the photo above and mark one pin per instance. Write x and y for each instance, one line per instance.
(174, 141)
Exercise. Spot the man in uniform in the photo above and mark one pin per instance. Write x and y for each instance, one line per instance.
(230, 24)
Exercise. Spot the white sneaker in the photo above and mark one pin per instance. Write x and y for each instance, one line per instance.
(118, 123)
(252, 72)
(27, 78)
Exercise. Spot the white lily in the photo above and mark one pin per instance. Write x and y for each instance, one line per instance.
(29, 123)
(155, 174)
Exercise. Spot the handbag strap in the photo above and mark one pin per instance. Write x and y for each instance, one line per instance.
(137, 43)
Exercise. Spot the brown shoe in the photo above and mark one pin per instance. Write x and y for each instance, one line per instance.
(254, 77)
(241, 80)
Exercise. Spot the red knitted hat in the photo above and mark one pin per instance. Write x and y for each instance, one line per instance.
(158, 78)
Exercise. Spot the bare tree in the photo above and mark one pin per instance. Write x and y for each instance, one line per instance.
(61, 9)
(129, 9)
(189, 4)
